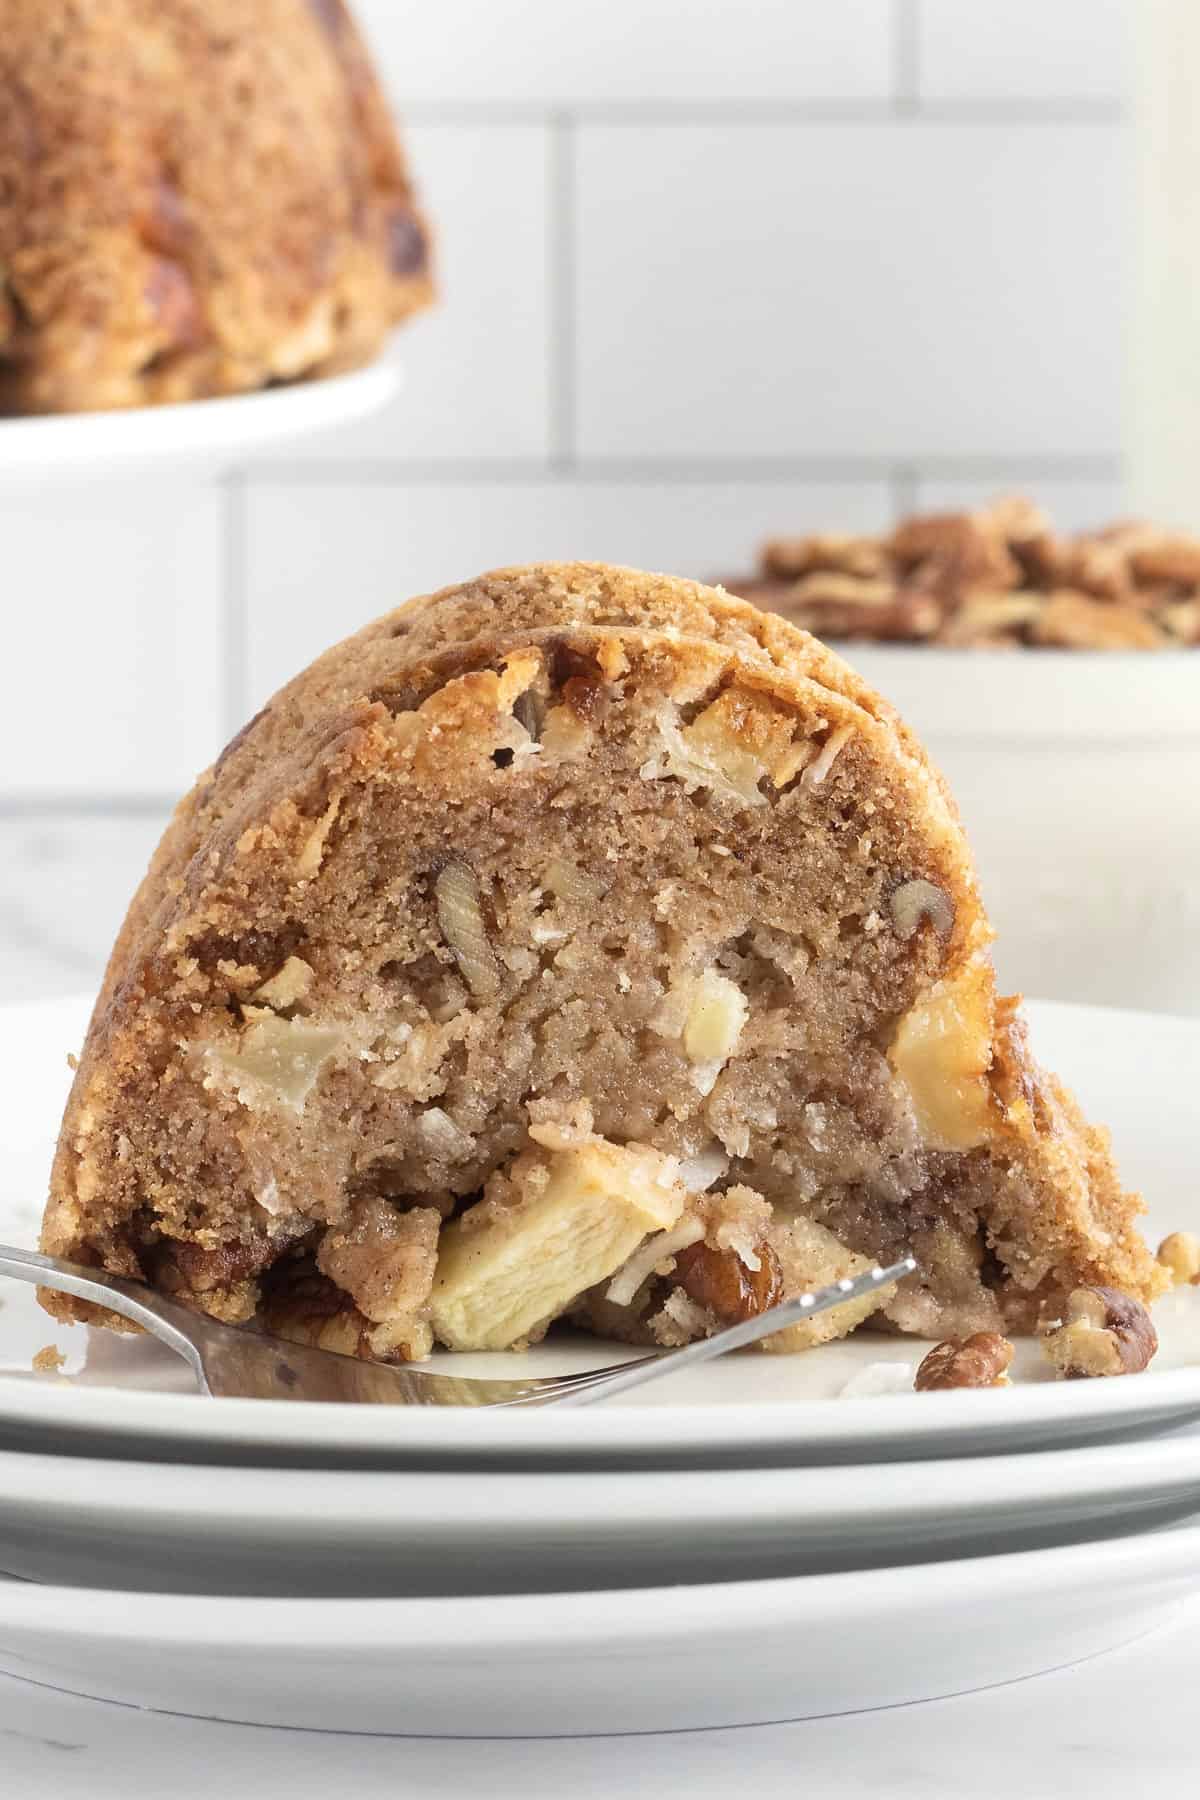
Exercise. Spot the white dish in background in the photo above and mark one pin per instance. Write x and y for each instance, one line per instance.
(1077, 774)
(643, 1659)
(1137, 1072)
(222, 431)
(179, 1528)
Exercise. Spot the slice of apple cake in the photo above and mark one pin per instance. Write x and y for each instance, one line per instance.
(573, 944)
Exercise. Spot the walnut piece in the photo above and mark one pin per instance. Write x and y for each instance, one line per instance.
(980, 1361)
(915, 900)
(995, 577)
(1071, 621)
(830, 589)
(1104, 1332)
(963, 547)
(986, 618)
(460, 915)
(1180, 1253)
(789, 558)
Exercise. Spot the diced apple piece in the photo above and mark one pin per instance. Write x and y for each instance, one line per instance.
(576, 1216)
(718, 1012)
(810, 1256)
(942, 1051)
(278, 1061)
(729, 747)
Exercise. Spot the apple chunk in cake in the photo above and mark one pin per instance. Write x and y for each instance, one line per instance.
(573, 944)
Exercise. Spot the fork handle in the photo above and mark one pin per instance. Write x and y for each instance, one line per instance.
(168, 1321)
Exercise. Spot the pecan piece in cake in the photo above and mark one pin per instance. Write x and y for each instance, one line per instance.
(729, 1288)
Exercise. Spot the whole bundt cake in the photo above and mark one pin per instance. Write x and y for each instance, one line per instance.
(582, 943)
(197, 197)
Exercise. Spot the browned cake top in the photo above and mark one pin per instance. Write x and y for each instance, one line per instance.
(999, 576)
(193, 184)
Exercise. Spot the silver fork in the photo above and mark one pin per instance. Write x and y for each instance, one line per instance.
(239, 1362)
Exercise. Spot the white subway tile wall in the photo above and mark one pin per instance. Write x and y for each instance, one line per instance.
(1059, 50)
(113, 624)
(599, 53)
(479, 371)
(833, 290)
(708, 273)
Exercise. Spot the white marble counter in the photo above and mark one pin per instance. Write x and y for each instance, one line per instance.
(1122, 1724)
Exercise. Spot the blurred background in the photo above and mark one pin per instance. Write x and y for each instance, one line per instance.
(709, 273)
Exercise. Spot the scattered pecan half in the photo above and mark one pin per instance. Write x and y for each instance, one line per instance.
(980, 1361)
(1103, 1332)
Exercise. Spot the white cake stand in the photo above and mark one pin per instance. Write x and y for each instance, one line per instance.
(84, 446)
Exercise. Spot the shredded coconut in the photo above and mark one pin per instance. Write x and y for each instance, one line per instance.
(657, 1249)
(878, 1378)
(681, 1313)
(698, 1173)
(443, 1137)
(816, 772)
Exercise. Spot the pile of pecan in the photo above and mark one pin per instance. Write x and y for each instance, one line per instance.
(997, 577)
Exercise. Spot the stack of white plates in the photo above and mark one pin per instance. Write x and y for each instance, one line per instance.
(763, 1539)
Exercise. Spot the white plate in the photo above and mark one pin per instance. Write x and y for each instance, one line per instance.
(1138, 1072)
(225, 430)
(161, 1527)
(645, 1659)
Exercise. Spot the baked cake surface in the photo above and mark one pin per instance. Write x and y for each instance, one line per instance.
(573, 943)
(996, 577)
(197, 197)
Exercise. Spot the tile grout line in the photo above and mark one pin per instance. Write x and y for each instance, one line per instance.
(17, 806)
(899, 107)
(561, 348)
(906, 55)
(234, 619)
(598, 471)
(905, 484)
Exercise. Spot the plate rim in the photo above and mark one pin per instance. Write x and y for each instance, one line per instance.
(486, 1624)
(750, 1424)
(226, 424)
(1125, 1471)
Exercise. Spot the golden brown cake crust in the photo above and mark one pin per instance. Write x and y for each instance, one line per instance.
(197, 197)
(562, 866)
